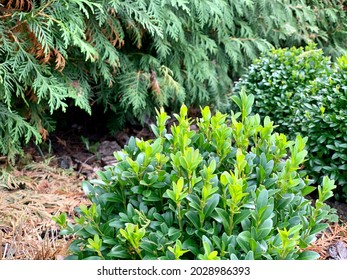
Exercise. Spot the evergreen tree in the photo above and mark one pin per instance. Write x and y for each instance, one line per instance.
(132, 56)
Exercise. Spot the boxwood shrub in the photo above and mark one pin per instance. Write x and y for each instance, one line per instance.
(278, 80)
(233, 189)
(304, 92)
(323, 116)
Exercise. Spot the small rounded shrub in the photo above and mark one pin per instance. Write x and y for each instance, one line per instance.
(304, 92)
(323, 116)
(231, 190)
(278, 81)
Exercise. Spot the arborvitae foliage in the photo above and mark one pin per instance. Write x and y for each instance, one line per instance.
(133, 56)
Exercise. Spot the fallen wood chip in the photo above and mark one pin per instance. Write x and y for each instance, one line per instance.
(338, 251)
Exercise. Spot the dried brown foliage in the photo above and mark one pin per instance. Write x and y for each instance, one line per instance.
(35, 47)
(334, 234)
(27, 205)
(22, 5)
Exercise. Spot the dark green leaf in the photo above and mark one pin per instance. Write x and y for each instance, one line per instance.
(221, 216)
(318, 228)
(308, 255)
(118, 252)
(262, 199)
(211, 204)
(193, 217)
(264, 229)
(243, 241)
(244, 214)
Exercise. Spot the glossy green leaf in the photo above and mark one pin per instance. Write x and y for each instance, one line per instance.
(264, 229)
(118, 252)
(211, 204)
(308, 255)
(243, 241)
(244, 214)
(262, 199)
(193, 217)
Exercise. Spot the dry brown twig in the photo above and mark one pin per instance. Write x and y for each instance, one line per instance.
(333, 234)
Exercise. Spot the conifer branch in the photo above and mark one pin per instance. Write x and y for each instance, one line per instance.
(134, 56)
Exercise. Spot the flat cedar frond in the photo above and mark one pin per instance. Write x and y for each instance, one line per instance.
(134, 90)
(59, 61)
(155, 87)
(22, 5)
(14, 128)
(115, 34)
(206, 45)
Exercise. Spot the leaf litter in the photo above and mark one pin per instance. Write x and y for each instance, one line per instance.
(29, 198)
(332, 243)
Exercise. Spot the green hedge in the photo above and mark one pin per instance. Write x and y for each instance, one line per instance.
(304, 92)
(324, 119)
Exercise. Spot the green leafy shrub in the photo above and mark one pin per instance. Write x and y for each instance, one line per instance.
(323, 117)
(133, 56)
(278, 80)
(304, 92)
(227, 191)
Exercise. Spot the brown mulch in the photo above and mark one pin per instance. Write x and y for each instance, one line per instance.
(29, 198)
(45, 183)
(332, 239)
